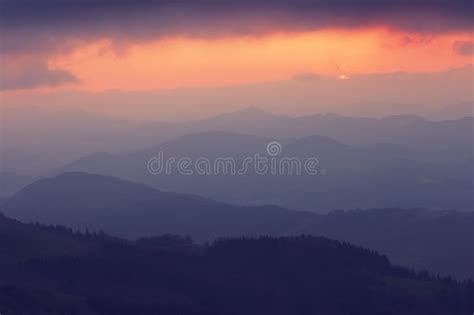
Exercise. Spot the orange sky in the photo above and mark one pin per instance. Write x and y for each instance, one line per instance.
(181, 62)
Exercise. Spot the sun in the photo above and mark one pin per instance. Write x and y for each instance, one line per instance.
(344, 77)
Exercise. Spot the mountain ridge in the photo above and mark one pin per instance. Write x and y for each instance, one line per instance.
(128, 212)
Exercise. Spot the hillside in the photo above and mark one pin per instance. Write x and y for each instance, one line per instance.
(374, 176)
(416, 238)
(170, 275)
(20, 241)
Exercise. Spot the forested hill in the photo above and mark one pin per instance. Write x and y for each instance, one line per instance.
(423, 239)
(58, 271)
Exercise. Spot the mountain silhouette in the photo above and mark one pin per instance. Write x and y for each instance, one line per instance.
(80, 133)
(67, 273)
(417, 238)
(382, 175)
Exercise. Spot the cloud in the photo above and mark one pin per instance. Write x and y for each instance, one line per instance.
(48, 24)
(416, 40)
(33, 75)
(306, 76)
(464, 48)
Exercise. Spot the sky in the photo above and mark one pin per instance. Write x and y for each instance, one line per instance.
(53, 47)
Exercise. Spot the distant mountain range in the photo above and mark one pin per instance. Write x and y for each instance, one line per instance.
(370, 176)
(52, 270)
(416, 238)
(10, 183)
(396, 161)
(79, 133)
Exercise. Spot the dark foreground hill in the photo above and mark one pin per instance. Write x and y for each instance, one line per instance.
(440, 242)
(171, 275)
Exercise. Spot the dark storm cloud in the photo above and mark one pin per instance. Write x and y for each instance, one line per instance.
(35, 24)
